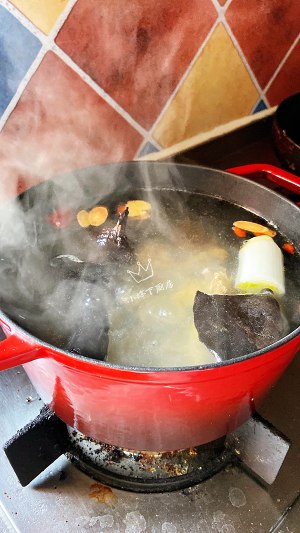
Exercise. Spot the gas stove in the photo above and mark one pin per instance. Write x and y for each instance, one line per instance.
(257, 492)
(246, 482)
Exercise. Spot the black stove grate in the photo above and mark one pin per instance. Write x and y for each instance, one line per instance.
(256, 447)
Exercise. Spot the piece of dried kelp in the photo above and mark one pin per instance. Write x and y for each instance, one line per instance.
(235, 325)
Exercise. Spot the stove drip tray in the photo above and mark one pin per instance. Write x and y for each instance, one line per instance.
(142, 471)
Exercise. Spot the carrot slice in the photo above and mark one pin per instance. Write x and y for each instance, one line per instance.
(60, 218)
(83, 218)
(239, 232)
(98, 215)
(288, 247)
(121, 208)
(253, 227)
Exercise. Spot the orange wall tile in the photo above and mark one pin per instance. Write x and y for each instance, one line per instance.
(168, 69)
(218, 89)
(43, 13)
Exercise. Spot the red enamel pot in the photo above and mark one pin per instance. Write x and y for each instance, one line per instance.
(169, 408)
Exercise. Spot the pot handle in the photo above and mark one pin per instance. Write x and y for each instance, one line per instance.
(277, 175)
(15, 351)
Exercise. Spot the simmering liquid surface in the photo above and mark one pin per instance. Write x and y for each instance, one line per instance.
(186, 245)
(153, 322)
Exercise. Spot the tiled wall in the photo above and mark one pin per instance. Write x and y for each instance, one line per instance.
(90, 81)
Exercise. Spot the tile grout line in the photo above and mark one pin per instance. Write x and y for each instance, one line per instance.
(266, 100)
(260, 98)
(22, 86)
(86, 78)
(184, 77)
(61, 19)
(220, 9)
(154, 142)
(220, 19)
(48, 44)
(30, 26)
(243, 57)
(227, 4)
(45, 40)
(143, 143)
(282, 62)
(222, 16)
(24, 20)
(147, 139)
(150, 137)
(98, 89)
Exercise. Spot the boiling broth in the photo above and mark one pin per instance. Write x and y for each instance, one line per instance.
(153, 323)
(186, 245)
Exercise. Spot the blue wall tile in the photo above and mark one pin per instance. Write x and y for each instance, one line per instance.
(148, 148)
(18, 49)
(260, 106)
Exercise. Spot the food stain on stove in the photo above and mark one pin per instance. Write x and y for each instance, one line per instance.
(222, 522)
(152, 460)
(237, 497)
(100, 522)
(103, 494)
(135, 522)
(168, 527)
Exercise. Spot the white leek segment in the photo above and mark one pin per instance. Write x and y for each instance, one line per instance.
(260, 266)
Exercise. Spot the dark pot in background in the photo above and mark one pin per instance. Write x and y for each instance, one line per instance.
(286, 132)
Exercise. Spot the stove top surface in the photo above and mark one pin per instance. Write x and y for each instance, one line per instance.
(64, 499)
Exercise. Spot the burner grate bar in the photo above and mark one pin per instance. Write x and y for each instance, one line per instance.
(260, 447)
(37, 445)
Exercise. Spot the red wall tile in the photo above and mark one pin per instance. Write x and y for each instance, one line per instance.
(136, 51)
(59, 124)
(265, 30)
(287, 81)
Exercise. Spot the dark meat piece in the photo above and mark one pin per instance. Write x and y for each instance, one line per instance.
(114, 246)
(235, 325)
(114, 243)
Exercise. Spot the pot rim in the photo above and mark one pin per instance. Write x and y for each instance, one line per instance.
(39, 343)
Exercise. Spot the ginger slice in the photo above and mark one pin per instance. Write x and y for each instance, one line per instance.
(138, 209)
(83, 218)
(253, 227)
(98, 215)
